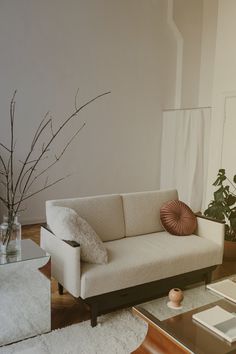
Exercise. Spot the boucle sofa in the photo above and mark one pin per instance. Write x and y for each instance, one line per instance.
(144, 260)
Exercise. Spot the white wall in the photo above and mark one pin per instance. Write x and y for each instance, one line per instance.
(49, 48)
(222, 143)
(208, 44)
(188, 16)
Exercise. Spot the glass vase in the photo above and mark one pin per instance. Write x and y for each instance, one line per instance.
(10, 236)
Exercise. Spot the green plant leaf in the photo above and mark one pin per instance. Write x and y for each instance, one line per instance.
(216, 211)
(216, 183)
(232, 220)
(226, 190)
(219, 180)
(233, 223)
(226, 211)
(231, 199)
(226, 227)
(234, 179)
(219, 195)
(227, 233)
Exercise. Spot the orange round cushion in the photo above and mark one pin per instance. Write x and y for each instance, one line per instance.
(177, 218)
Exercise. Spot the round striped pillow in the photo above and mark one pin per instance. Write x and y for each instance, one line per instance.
(177, 218)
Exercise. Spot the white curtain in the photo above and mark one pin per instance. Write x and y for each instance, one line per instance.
(184, 154)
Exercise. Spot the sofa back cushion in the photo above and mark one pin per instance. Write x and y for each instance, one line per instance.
(104, 214)
(142, 211)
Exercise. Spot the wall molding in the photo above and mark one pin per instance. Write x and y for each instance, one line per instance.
(32, 221)
(179, 56)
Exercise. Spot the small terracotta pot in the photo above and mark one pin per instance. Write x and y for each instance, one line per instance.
(230, 251)
(175, 296)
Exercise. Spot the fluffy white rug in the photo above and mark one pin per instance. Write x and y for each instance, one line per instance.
(116, 333)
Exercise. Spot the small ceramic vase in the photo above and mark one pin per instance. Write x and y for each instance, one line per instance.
(175, 296)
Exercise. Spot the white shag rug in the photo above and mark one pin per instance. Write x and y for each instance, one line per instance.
(116, 333)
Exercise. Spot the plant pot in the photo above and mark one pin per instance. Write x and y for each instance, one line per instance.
(230, 251)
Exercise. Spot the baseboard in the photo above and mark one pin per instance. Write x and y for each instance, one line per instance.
(31, 221)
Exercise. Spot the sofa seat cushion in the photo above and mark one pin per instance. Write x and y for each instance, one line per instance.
(142, 211)
(142, 259)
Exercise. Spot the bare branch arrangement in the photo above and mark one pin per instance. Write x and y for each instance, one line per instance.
(17, 187)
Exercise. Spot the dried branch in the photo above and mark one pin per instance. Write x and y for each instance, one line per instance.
(54, 136)
(57, 158)
(38, 191)
(46, 181)
(23, 177)
(3, 183)
(51, 127)
(3, 163)
(36, 137)
(6, 148)
(8, 183)
(37, 130)
(32, 161)
(76, 96)
(12, 117)
(4, 201)
(18, 188)
(21, 210)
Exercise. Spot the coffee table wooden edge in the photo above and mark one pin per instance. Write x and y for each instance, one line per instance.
(157, 340)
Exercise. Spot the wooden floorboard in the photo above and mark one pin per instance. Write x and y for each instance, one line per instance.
(67, 310)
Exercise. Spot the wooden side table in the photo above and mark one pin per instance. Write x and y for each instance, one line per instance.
(25, 293)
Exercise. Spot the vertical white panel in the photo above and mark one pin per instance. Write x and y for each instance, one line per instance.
(229, 141)
(185, 154)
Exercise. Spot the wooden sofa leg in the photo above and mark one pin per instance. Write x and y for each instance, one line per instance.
(208, 277)
(60, 289)
(94, 315)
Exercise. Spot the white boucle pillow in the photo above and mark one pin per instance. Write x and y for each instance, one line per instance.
(66, 224)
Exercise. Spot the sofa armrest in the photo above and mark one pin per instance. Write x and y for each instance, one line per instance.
(65, 260)
(211, 229)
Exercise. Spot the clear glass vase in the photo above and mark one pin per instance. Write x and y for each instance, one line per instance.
(10, 236)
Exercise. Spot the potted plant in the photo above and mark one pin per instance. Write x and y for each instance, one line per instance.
(18, 178)
(223, 207)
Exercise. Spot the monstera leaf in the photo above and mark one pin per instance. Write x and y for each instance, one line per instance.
(231, 200)
(232, 220)
(220, 178)
(219, 195)
(216, 211)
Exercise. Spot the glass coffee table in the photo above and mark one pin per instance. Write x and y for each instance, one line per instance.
(175, 332)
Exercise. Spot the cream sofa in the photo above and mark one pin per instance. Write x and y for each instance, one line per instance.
(145, 261)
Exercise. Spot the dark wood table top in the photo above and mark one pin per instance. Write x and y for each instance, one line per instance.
(193, 336)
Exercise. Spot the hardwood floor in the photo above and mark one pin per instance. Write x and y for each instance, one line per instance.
(67, 310)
